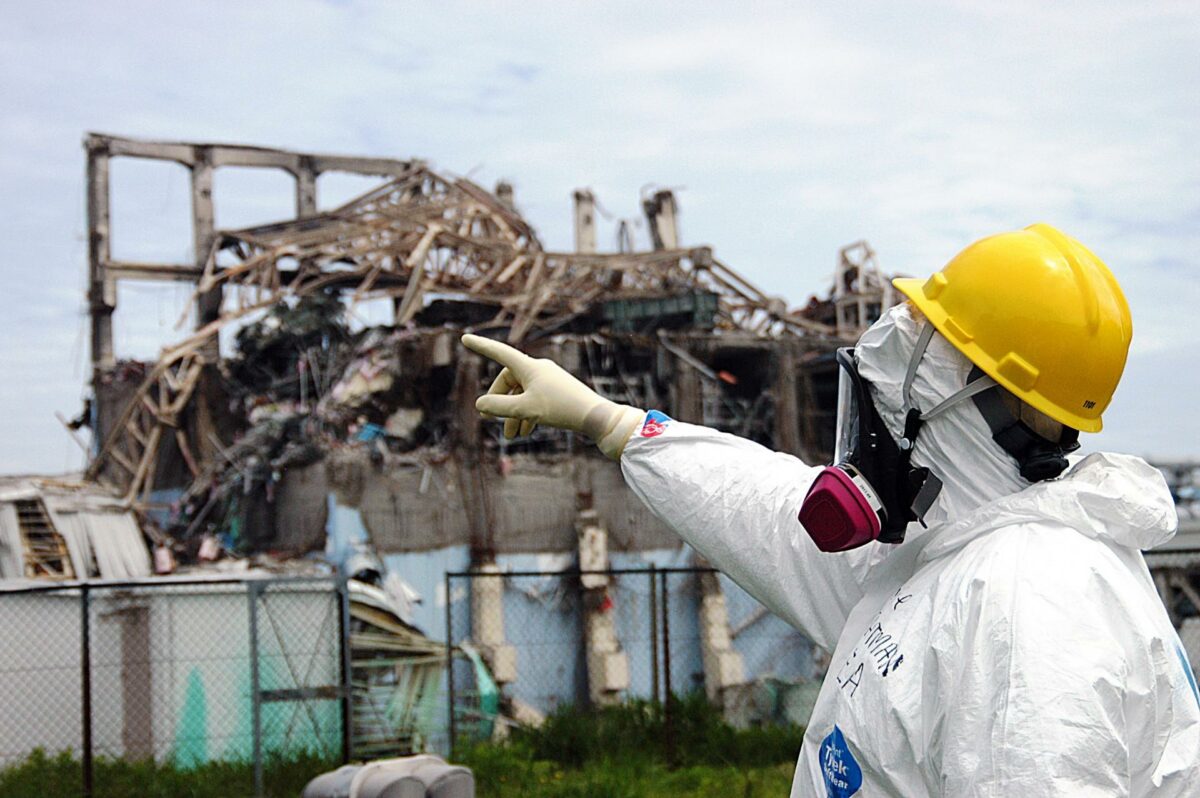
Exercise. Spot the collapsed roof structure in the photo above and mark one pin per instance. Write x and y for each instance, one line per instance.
(673, 327)
(59, 529)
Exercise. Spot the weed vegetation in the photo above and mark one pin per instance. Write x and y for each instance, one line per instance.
(634, 750)
(42, 776)
(505, 772)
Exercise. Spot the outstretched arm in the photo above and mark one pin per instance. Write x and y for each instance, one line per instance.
(734, 501)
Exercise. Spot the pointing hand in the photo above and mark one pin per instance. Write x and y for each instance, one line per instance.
(531, 391)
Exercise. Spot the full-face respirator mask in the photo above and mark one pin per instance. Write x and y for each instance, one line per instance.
(873, 491)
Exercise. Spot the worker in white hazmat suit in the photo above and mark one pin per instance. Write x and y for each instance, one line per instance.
(1009, 640)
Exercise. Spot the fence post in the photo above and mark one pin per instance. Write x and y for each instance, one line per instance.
(668, 715)
(653, 633)
(449, 667)
(85, 687)
(343, 584)
(252, 593)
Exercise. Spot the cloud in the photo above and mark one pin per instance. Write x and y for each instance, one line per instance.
(792, 130)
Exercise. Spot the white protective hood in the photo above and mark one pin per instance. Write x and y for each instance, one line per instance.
(957, 445)
(1109, 496)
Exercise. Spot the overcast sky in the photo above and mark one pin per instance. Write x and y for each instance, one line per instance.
(786, 132)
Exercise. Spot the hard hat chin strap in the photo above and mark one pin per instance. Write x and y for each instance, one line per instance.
(1037, 458)
(914, 418)
(927, 485)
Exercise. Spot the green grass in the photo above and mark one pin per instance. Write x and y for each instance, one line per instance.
(42, 776)
(623, 751)
(639, 730)
(626, 752)
(508, 772)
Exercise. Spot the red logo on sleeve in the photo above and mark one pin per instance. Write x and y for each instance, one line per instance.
(655, 424)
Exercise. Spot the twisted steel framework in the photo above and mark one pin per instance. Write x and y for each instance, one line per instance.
(418, 235)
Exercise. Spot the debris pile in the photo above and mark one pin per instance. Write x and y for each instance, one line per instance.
(244, 453)
(300, 384)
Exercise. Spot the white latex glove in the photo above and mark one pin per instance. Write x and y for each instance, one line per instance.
(531, 391)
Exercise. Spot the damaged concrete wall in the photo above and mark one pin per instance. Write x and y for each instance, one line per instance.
(533, 505)
(303, 509)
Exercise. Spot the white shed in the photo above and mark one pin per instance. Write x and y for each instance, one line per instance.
(172, 667)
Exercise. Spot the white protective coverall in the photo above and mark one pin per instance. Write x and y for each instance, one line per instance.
(1016, 647)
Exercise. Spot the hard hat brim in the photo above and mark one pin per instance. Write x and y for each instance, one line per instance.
(912, 287)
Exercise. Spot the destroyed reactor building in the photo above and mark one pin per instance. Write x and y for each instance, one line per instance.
(308, 435)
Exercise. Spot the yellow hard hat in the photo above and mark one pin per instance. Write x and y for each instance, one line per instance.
(1040, 314)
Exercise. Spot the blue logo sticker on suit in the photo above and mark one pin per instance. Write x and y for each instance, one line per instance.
(655, 424)
(842, 774)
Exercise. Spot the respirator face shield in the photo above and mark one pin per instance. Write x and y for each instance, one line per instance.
(850, 386)
(873, 491)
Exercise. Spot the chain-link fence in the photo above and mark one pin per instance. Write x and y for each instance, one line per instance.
(523, 644)
(187, 673)
(176, 671)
